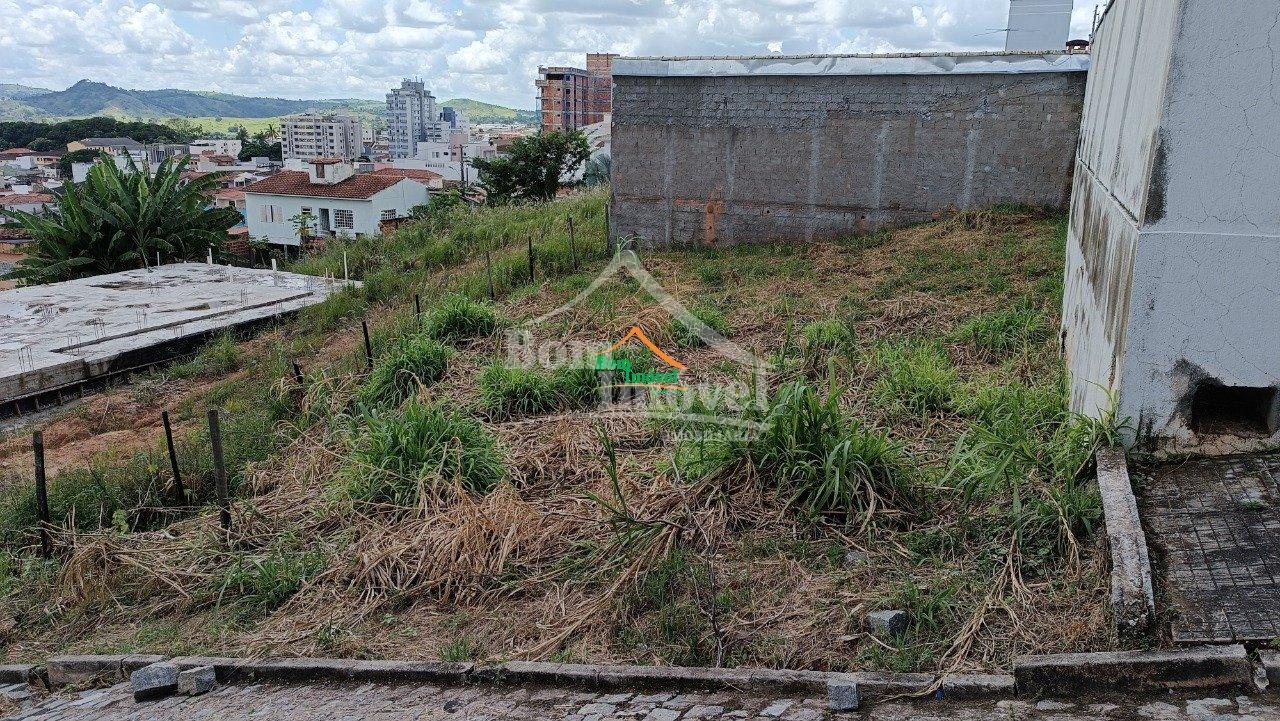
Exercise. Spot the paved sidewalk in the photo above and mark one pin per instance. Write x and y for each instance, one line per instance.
(1213, 525)
(395, 702)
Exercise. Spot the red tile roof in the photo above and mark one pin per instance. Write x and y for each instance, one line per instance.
(20, 198)
(10, 234)
(17, 153)
(410, 173)
(296, 182)
(229, 193)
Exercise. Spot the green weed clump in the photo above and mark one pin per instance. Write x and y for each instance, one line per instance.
(419, 446)
(915, 374)
(1026, 459)
(415, 360)
(685, 337)
(219, 356)
(831, 337)
(507, 392)
(1005, 331)
(263, 582)
(817, 455)
(458, 317)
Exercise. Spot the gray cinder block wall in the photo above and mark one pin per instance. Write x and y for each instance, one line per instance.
(1170, 313)
(733, 150)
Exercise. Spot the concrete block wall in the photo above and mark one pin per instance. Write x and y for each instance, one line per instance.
(762, 158)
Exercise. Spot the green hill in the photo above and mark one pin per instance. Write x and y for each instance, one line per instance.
(479, 112)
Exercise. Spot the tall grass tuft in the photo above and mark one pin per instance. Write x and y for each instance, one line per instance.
(416, 360)
(685, 337)
(915, 374)
(458, 317)
(817, 456)
(399, 453)
(1005, 331)
(507, 392)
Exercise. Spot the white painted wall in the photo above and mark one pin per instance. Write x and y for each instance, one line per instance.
(1173, 260)
(1038, 24)
(367, 214)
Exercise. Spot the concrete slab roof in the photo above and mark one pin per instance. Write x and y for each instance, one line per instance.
(965, 63)
(60, 334)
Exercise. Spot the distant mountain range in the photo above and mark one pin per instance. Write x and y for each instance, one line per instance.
(87, 98)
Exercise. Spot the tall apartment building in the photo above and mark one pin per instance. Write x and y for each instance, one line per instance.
(569, 98)
(410, 108)
(308, 136)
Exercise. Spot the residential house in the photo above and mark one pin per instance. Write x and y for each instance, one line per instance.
(23, 158)
(229, 198)
(115, 146)
(26, 202)
(333, 196)
(216, 146)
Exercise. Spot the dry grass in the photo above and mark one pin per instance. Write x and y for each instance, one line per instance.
(562, 563)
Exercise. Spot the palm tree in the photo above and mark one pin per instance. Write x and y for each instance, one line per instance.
(119, 219)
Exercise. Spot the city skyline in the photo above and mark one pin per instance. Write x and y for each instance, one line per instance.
(478, 49)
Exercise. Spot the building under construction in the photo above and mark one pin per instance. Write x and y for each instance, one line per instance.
(570, 98)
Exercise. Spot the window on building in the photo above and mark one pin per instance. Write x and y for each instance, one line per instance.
(270, 214)
(344, 219)
(389, 214)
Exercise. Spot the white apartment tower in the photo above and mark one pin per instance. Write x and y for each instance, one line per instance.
(410, 108)
(308, 136)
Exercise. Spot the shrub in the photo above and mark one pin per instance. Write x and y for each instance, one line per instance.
(817, 455)
(512, 392)
(265, 582)
(219, 356)
(414, 360)
(915, 374)
(420, 445)
(458, 317)
(685, 337)
(1007, 330)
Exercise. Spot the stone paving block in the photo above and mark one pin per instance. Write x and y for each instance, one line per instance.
(843, 696)
(198, 680)
(154, 681)
(887, 624)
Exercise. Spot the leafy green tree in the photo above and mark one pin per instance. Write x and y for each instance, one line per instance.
(253, 149)
(41, 145)
(534, 167)
(120, 219)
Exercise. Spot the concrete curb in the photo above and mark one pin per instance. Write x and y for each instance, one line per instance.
(11, 673)
(1201, 667)
(1218, 667)
(65, 670)
(1132, 597)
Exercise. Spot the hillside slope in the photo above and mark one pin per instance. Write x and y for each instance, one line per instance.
(87, 98)
(916, 453)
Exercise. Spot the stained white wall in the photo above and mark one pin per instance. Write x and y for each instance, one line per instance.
(1173, 261)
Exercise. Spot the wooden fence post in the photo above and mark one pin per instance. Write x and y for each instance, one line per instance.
(42, 495)
(173, 457)
(219, 470)
(368, 347)
(531, 259)
(297, 374)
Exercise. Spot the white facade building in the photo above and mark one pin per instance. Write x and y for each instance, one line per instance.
(410, 108)
(216, 146)
(334, 196)
(321, 135)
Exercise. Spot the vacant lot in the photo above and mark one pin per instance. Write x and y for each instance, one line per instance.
(916, 454)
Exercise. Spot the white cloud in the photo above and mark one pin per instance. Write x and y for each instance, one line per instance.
(489, 49)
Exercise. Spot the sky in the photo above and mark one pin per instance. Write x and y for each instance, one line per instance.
(487, 50)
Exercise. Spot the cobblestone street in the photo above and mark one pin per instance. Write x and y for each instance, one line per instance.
(399, 702)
